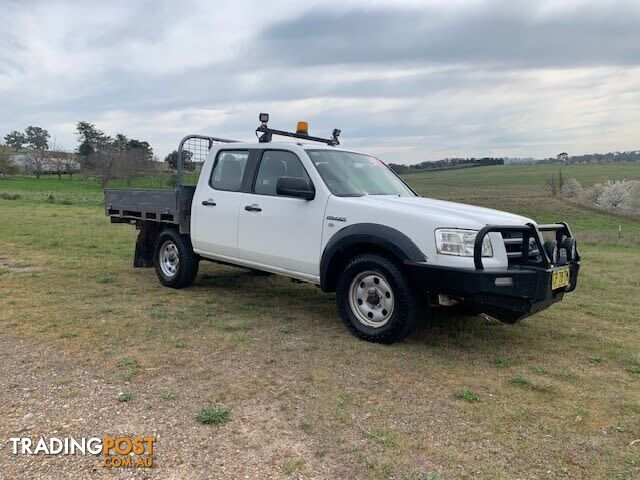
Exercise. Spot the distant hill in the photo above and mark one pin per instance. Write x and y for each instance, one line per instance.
(451, 163)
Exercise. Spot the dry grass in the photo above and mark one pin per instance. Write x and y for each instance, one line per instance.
(307, 399)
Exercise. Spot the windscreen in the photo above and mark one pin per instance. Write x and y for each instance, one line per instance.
(349, 174)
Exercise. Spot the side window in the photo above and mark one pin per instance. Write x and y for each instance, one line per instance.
(228, 170)
(276, 164)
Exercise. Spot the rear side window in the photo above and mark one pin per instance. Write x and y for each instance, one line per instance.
(276, 164)
(228, 170)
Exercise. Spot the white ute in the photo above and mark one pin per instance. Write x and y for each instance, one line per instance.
(346, 222)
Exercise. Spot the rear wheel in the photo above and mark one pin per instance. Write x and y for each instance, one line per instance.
(376, 301)
(175, 262)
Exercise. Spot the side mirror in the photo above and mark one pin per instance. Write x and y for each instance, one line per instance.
(295, 187)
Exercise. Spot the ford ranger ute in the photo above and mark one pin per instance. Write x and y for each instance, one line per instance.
(346, 222)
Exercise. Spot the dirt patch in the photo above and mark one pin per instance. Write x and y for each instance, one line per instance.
(12, 266)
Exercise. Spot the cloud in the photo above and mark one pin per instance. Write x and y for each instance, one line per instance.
(515, 34)
(415, 81)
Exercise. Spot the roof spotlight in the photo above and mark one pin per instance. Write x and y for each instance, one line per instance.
(264, 118)
(335, 134)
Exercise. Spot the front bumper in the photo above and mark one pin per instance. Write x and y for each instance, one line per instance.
(527, 292)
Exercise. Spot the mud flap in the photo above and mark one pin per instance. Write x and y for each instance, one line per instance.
(143, 255)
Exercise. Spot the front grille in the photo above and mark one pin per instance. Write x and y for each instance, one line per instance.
(513, 245)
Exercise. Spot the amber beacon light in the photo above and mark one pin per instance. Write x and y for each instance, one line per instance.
(303, 128)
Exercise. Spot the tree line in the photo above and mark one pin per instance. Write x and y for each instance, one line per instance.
(610, 157)
(108, 157)
(446, 163)
(97, 154)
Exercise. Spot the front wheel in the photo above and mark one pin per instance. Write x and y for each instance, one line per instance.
(376, 301)
(175, 262)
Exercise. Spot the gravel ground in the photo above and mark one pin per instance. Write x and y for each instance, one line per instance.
(46, 392)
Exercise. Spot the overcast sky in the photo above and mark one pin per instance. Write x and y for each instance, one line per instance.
(409, 82)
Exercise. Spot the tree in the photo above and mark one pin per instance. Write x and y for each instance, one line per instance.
(104, 158)
(38, 139)
(399, 169)
(87, 132)
(111, 157)
(60, 160)
(88, 137)
(15, 139)
(563, 157)
(172, 160)
(7, 167)
(133, 157)
(85, 149)
(555, 183)
(120, 142)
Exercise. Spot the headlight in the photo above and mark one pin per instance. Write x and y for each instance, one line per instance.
(460, 242)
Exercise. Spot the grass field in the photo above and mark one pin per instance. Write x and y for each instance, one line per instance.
(90, 346)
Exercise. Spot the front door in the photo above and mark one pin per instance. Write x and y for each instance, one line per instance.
(277, 231)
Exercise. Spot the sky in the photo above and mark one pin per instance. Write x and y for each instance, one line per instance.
(407, 81)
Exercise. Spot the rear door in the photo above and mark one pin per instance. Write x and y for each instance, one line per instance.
(283, 233)
(218, 201)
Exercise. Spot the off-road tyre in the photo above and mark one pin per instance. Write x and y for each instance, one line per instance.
(407, 305)
(169, 247)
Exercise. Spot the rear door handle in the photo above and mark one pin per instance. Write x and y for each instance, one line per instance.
(253, 208)
(209, 203)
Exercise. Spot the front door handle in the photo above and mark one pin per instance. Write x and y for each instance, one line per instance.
(253, 208)
(209, 203)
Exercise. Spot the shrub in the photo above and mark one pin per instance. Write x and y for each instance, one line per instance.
(7, 167)
(467, 395)
(520, 381)
(170, 395)
(615, 194)
(594, 192)
(213, 414)
(9, 196)
(128, 362)
(125, 396)
(572, 188)
(633, 198)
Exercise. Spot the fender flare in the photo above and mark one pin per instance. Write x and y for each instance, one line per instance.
(382, 236)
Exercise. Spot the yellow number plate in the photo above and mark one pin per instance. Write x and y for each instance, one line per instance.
(560, 278)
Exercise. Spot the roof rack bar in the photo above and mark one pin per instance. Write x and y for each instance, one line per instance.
(267, 133)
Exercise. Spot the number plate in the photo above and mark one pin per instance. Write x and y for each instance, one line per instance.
(560, 278)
